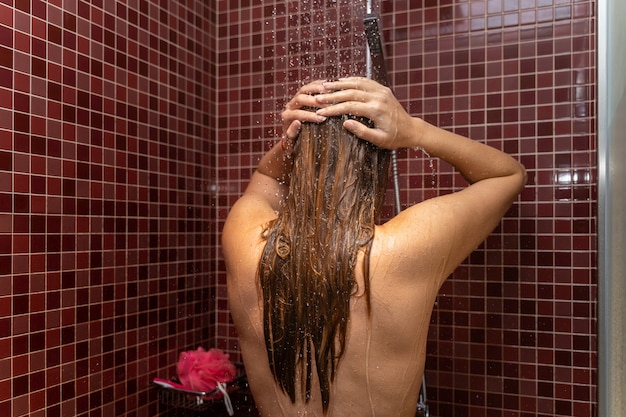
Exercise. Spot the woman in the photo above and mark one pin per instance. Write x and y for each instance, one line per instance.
(332, 309)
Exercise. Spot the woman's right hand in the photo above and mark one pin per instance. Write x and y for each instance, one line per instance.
(358, 96)
(294, 113)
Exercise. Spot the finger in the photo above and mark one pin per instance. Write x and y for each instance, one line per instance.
(357, 83)
(288, 116)
(304, 96)
(312, 87)
(293, 130)
(366, 133)
(301, 100)
(342, 95)
(354, 108)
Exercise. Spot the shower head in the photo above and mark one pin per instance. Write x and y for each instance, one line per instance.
(376, 46)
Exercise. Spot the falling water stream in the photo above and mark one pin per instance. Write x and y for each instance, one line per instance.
(326, 40)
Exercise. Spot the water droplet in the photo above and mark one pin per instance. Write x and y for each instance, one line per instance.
(431, 165)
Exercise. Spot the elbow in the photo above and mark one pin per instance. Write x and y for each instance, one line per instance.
(522, 177)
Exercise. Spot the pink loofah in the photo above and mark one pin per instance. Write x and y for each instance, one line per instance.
(200, 370)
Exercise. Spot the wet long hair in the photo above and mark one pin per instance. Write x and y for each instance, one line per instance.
(306, 272)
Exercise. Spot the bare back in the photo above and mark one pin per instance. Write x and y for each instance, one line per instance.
(381, 370)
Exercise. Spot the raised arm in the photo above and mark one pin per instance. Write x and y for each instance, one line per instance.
(271, 178)
(268, 186)
(447, 227)
(394, 129)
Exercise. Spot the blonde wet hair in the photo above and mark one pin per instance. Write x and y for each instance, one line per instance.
(306, 272)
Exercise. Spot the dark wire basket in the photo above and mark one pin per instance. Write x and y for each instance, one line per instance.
(200, 400)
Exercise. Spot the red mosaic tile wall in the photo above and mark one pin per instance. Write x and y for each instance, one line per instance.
(107, 132)
(127, 129)
(514, 329)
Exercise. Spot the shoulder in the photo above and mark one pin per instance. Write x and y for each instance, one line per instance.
(246, 219)
(243, 242)
(404, 252)
(242, 245)
(421, 241)
(442, 231)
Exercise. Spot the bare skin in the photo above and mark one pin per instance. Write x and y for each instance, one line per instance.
(412, 254)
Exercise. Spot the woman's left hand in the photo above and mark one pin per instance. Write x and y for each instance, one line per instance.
(358, 96)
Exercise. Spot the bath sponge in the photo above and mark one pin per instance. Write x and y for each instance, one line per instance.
(201, 370)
